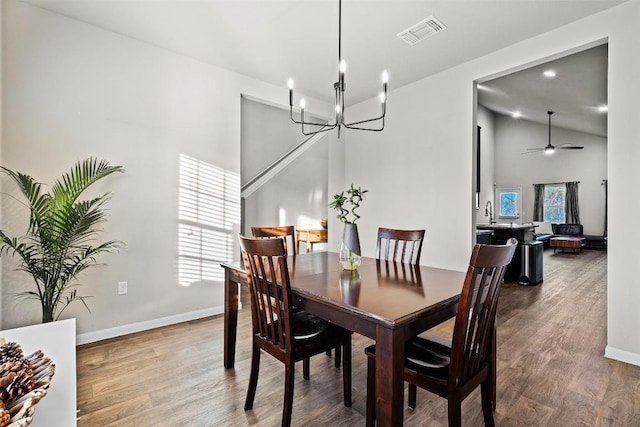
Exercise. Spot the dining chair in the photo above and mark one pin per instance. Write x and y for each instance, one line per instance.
(289, 336)
(286, 232)
(399, 245)
(454, 371)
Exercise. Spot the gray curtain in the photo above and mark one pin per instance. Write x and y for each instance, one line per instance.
(538, 202)
(571, 207)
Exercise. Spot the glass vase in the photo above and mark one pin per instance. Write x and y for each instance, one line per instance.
(350, 257)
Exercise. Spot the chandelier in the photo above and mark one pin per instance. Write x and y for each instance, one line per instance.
(339, 88)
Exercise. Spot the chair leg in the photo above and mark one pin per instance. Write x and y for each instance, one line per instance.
(253, 379)
(328, 353)
(288, 395)
(413, 391)
(371, 392)
(487, 402)
(305, 368)
(455, 411)
(346, 372)
(338, 357)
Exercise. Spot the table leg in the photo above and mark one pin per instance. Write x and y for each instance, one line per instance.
(389, 376)
(230, 319)
(494, 368)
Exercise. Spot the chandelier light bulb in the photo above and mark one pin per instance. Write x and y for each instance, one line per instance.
(337, 109)
(383, 97)
(290, 83)
(385, 76)
(343, 66)
(303, 103)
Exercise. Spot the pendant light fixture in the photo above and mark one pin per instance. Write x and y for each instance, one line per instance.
(549, 149)
(339, 89)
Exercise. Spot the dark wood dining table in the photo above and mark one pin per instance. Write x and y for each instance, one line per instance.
(386, 301)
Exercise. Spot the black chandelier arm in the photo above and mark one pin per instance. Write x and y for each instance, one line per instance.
(367, 129)
(329, 127)
(300, 122)
(354, 125)
(351, 126)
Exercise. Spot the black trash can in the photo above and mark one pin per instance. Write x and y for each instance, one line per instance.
(531, 263)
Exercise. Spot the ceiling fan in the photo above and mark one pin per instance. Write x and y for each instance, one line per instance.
(550, 149)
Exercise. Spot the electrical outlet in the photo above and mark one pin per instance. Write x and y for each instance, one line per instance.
(122, 288)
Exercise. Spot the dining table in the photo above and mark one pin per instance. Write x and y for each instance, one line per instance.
(386, 301)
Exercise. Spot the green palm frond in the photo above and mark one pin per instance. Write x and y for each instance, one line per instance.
(60, 241)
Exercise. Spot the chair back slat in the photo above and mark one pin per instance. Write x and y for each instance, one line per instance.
(270, 289)
(399, 245)
(475, 320)
(286, 233)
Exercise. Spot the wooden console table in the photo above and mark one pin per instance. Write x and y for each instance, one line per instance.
(311, 237)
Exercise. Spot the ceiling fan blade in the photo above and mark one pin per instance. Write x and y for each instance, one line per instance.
(533, 150)
(569, 147)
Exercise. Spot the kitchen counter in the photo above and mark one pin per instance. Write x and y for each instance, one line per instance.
(523, 233)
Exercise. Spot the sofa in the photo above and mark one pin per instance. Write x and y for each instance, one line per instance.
(567, 230)
(544, 231)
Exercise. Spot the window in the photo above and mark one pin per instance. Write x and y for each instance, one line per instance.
(554, 203)
(508, 204)
(208, 218)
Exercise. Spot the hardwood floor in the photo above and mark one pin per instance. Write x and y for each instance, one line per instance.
(551, 369)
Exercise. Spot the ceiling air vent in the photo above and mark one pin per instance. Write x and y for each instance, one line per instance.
(422, 30)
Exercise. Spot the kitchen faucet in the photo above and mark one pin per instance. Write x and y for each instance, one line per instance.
(488, 211)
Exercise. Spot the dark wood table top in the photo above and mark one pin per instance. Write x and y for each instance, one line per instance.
(390, 294)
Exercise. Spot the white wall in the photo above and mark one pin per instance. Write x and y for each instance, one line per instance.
(297, 195)
(426, 152)
(589, 165)
(72, 91)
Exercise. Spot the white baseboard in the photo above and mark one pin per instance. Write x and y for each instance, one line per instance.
(104, 334)
(622, 355)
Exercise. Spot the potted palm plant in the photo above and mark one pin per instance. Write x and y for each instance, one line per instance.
(346, 203)
(60, 241)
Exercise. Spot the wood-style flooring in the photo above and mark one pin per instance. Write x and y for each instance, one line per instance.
(551, 369)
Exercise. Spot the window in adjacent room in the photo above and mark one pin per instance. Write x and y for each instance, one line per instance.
(508, 203)
(554, 203)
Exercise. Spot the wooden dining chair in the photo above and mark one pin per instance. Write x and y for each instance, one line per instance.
(454, 371)
(399, 245)
(289, 336)
(286, 232)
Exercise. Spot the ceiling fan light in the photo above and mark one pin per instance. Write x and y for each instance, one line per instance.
(549, 149)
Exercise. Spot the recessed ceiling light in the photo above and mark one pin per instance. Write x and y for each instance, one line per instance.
(603, 108)
(549, 73)
(516, 114)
